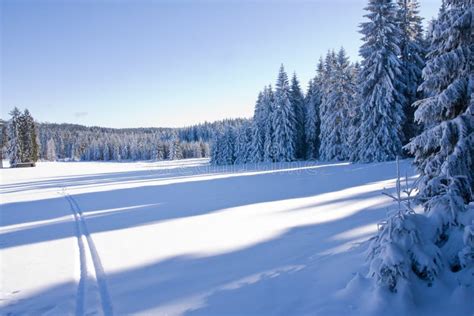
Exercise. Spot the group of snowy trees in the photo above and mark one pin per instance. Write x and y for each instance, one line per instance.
(75, 142)
(350, 111)
(412, 246)
(21, 136)
(27, 141)
(410, 92)
(275, 134)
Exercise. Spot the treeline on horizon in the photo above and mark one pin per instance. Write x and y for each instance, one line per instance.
(77, 142)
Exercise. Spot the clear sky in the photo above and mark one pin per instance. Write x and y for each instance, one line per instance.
(163, 63)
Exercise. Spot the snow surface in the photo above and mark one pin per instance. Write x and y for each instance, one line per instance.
(184, 237)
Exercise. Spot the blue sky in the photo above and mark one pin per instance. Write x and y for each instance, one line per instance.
(163, 63)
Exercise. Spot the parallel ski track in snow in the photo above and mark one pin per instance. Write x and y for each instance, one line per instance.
(83, 231)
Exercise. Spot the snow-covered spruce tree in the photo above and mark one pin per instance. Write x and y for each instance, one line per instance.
(242, 143)
(269, 106)
(258, 130)
(444, 151)
(14, 143)
(228, 145)
(298, 108)
(3, 141)
(175, 151)
(216, 148)
(50, 150)
(335, 119)
(283, 120)
(223, 146)
(312, 102)
(24, 138)
(160, 151)
(412, 52)
(403, 248)
(32, 139)
(381, 110)
(324, 110)
(348, 79)
(354, 114)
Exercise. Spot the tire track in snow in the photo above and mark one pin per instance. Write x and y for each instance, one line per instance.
(100, 276)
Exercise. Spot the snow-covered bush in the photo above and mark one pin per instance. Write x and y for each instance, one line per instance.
(403, 247)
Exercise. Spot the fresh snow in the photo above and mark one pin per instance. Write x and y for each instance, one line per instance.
(185, 237)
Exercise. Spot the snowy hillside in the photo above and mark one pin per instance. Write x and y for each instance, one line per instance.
(184, 237)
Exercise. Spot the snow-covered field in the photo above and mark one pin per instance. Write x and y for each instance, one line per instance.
(172, 238)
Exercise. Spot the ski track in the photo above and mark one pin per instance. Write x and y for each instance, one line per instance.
(101, 279)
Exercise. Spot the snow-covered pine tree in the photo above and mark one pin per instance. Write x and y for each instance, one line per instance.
(14, 142)
(382, 113)
(269, 142)
(412, 49)
(3, 140)
(347, 83)
(403, 248)
(224, 146)
(324, 111)
(216, 148)
(312, 103)
(32, 137)
(24, 138)
(354, 113)
(298, 108)
(243, 143)
(229, 145)
(175, 151)
(258, 130)
(160, 151)
(444, 151)
(283, 120)
(335, 119)
(51, 150)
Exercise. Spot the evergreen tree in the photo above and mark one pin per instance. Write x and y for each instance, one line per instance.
(283, 120)
(51, 150)
(31, 139)
(216, 148)
(160, 151)
(258, 130)
(243, 143)
(229, 146)
(312, 125)
(269, 142)
(175, 150)
(444, 151)
(3, 140)
(335, 119)
(412, 49)
(24, 138)
(14, 143)
(332, 109)
(381, 108)
(298, 108)
(354, 114)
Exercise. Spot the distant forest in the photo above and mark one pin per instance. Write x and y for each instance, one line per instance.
(78, 142)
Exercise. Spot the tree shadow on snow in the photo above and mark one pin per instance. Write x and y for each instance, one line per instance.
(130, 207)
(268, 278)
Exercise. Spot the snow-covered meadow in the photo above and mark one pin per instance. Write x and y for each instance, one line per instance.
(184, 237)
